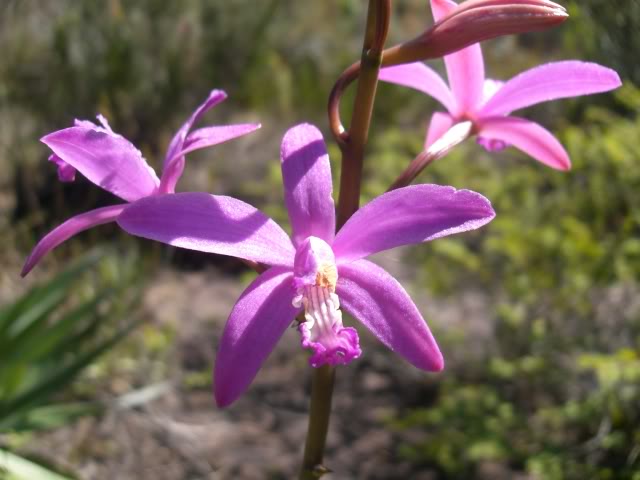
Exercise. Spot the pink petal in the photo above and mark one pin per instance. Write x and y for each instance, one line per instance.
(198, 139)
(551, 82)
(377, 300)
(209, 223)
(174, 162)
(66, 173)
(210, 136)
(422, 78)
(68, 229)
(414, 214)
(465, 68)
(440, 124)
(257, 321)
(106, 159)
(308, 187)
(527, 136)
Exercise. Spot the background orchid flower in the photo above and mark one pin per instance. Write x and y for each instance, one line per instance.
(115, 164)
(314, 270)
(487, 103)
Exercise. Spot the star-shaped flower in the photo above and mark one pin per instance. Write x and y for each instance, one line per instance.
(113, 163)
(487, 104)
(315, 270)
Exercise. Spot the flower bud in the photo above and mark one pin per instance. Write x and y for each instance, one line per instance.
(474, 21)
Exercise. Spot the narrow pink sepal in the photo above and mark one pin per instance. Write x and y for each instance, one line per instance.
(422, 78)
(551, 81)
(379, 302)
(173, 165)
(106, 159)
(258, 320)
(530, 137)
(414, 214)
(209, 223)
(439, 125)
(68, 229)
(210, 136)
(465, 68)
(308, 186)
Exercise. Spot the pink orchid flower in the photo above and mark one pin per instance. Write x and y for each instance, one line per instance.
(314, 270)
(487, 104)
(113, 163)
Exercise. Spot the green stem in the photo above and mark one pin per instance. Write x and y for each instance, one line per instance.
(319, 413)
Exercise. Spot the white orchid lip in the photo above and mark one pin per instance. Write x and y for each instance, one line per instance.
(315, 280)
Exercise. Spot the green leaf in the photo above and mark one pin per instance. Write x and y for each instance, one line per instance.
(15, 467)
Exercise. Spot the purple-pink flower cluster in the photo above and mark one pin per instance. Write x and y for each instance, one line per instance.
(312, 276)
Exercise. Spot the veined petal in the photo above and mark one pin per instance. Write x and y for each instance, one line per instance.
(530, 137)
(308, 187)
(174, 162)
(414, 214)
(465, 68)
(550, 82)
(440, 124)
(106, 159)
(422, 78)
(209, 223)
(380, 303)
(257, 321)
(68, 229)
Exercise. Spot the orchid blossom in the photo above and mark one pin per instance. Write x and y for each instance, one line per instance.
(484, 106)
(113, 163)
(314, 270)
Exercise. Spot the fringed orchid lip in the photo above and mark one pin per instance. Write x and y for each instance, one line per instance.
(322, 331)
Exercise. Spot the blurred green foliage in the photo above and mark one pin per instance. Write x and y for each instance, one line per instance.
(50, 335)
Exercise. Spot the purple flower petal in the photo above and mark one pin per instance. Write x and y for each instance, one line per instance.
(106, 159)
(527, 136)
(422, 78)
(68, 229)
(209, 223)
(380, 303)
(440, 124)
(413, 214)
(66, 173)
(551, 82)
(308, 187)
(174, 162)
(257, 321)
(210, 136)
(465, 68)
(201, 138)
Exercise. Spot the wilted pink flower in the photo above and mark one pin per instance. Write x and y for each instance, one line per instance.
(315, 271)
(487, 103)
(113, 163)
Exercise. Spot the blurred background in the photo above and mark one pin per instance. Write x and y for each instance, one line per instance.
(106, 348)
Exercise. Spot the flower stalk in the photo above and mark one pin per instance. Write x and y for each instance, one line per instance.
(319, 413)
(352, 145)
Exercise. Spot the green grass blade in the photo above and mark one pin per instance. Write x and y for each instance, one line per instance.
(15, 467)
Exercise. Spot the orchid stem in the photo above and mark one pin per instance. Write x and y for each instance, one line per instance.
(352, 144)
(319, 413)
